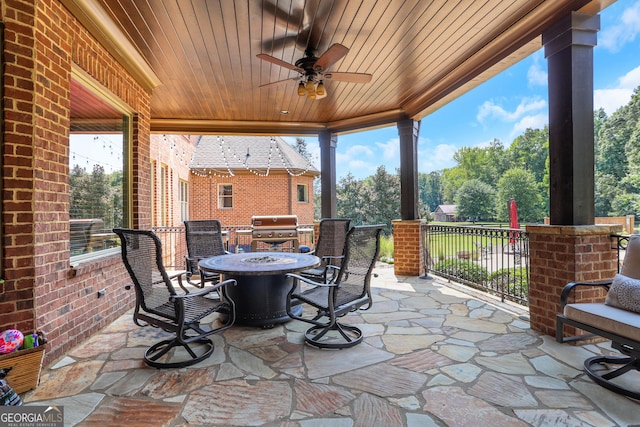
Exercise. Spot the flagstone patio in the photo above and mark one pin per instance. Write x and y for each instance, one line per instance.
(435, 354)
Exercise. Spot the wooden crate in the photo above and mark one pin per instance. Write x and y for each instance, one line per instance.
(25, 368)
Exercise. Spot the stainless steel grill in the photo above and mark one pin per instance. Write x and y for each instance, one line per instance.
(275, 230)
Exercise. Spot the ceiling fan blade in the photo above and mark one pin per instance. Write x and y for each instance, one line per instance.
(331, 56)
(349, 77)
(278, 83)
(279, 62)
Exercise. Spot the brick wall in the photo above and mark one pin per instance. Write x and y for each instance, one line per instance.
(562, 254)
(275, 194)
(408, 253)
(41, 290)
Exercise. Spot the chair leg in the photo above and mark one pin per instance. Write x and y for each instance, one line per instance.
(347, 336)
(628, 363)
(158, 350)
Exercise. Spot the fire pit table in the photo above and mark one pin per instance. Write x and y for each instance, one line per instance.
(261, 293)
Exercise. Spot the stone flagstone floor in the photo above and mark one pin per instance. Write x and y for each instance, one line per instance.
(435, 354)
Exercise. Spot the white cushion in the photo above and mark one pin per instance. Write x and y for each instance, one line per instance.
(618, 321)
(624, 293)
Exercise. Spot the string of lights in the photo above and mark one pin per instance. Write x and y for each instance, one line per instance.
(110, 158)
(229, 153)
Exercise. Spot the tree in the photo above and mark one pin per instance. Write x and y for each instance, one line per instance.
(349, 203)
(530, 151)
(519, 184)
(483, 163)
(476, 200)
(381, 198)
(430, 190)
(616, 157)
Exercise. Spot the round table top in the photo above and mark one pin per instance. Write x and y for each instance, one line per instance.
(259, 263)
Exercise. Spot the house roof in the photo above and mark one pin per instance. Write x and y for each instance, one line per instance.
(258, 154)
(447, 209)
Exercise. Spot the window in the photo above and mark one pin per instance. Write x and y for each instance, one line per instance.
(225, 196)
(303, 193)
(184, 200)
(99, 187)
(164, 194)
(154, 191)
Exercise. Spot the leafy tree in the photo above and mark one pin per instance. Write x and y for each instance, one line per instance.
(483, 163)
(349, 201)
(530, 151)
(430, 190)
(617, 154)
(520, 185)
(381, 197)
(475, 199)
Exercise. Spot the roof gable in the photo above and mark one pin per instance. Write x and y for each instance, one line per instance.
(258, 154)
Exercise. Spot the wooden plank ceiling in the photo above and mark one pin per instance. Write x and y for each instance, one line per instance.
(421, 54)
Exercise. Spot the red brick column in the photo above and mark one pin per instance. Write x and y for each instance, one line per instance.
(562, 254)
(408, 251)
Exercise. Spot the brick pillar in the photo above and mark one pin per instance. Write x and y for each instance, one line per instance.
(560, 254)
(408, 251)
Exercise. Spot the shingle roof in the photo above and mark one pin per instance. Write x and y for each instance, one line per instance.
(258, 153)
(447, 209)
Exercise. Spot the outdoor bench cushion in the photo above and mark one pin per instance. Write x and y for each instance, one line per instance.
(608, 318)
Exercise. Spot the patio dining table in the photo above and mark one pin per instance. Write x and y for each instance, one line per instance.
(262, 286)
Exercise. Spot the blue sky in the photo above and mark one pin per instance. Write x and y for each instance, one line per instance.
(502, 107)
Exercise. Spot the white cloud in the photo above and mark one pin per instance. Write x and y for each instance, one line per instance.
(613, 98)
(537, 121)
(390, 148)
(436, 158)
(627, 28)
(536, 75)
(490, 110)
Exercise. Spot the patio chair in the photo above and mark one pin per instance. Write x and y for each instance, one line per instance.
(349, 292)
(617, 318)
(177, 311)
(329, 248)
(204, 240)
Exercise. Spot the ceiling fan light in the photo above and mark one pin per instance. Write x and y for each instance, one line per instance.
(301, 90)
(320, 89)
(310, 87)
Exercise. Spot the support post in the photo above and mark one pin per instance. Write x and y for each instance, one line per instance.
(568, 48)
(328, 142)
(409, 131)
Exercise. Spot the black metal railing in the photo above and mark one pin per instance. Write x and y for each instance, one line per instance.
(619, 244)
(495, 260)
(237, 239)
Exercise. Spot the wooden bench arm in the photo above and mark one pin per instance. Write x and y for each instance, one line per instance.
(566, 291)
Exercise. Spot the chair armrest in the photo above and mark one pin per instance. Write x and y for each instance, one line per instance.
(205, 291)
(309, 281)
(566, 291)
(332, 257)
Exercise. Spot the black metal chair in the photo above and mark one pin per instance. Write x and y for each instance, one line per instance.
(349, 291)
(204, 239)
(329, 248)
(161, 305)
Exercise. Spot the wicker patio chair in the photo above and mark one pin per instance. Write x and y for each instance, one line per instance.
(204, 240)
(177, 311)
(349, 291)
(329, 248)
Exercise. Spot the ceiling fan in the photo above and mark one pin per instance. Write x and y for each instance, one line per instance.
(314, 70)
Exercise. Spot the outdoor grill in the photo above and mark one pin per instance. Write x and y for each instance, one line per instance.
(274, 230)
